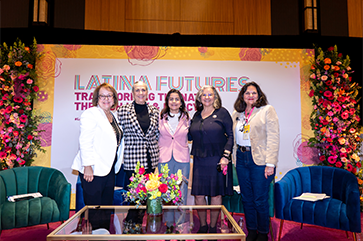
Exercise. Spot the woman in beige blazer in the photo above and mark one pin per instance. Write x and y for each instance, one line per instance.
(257, 139)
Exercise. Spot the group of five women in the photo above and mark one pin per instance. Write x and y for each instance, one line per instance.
(139, 133)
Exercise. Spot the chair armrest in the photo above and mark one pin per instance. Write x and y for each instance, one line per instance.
(60, 191)
(353, 207)
(283, 195)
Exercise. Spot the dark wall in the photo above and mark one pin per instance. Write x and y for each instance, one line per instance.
(69, 14)
(333, 18)
(63, 13)
(14, 13)
(285, 17)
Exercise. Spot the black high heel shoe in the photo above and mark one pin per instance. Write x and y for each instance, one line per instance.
(252, 235)
(203, 229)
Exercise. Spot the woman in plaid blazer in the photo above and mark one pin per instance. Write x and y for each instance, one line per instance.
(140, 123)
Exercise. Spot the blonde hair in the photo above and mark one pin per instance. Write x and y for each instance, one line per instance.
(217, 99)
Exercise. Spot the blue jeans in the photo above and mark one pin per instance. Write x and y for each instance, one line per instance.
(174, 166)
(254, 191)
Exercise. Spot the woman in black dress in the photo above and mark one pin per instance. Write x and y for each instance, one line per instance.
(212, 136)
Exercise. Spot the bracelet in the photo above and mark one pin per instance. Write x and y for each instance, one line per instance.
(225, 155)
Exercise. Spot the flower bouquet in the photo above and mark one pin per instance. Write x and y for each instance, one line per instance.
(154, 188)
(335, 117)
(19, 133)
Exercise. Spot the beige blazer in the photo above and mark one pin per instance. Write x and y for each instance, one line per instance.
(264, 135)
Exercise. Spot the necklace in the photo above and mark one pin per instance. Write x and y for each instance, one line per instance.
(109, 116)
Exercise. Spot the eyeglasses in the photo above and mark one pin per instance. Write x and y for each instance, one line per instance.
(103, 97)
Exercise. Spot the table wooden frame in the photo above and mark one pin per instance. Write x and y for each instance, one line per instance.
(197, 236)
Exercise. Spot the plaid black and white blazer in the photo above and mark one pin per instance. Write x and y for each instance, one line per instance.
(136, 142)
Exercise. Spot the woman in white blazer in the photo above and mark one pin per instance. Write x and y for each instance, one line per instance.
(257, 140)
(100, 152)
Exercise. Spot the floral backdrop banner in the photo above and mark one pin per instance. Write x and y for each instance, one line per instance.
(68, 75)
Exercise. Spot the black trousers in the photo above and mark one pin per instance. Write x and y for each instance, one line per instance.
(99, 192)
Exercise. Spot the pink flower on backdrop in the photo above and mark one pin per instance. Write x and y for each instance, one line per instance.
(143, 55)
(338, 164)
(250, 54)
(72, 47)
(324, 77)
(29, 81)
(42, 96)
(304, 153)
(46, 135)
(203, 49)
(49, 67)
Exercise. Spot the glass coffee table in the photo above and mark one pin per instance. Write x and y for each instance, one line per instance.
(152, 227)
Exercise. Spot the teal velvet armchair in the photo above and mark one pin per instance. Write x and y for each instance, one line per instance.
(52, 207)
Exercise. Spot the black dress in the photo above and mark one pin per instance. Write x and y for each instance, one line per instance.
(211, 136)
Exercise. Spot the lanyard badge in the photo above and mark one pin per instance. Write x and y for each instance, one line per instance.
(246, 126)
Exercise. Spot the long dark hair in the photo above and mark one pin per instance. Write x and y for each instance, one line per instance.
(166, 111)
(240, 105)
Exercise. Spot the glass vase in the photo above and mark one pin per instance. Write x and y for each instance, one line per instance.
(154, 207)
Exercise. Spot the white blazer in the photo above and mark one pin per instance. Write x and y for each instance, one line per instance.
(97, 144)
